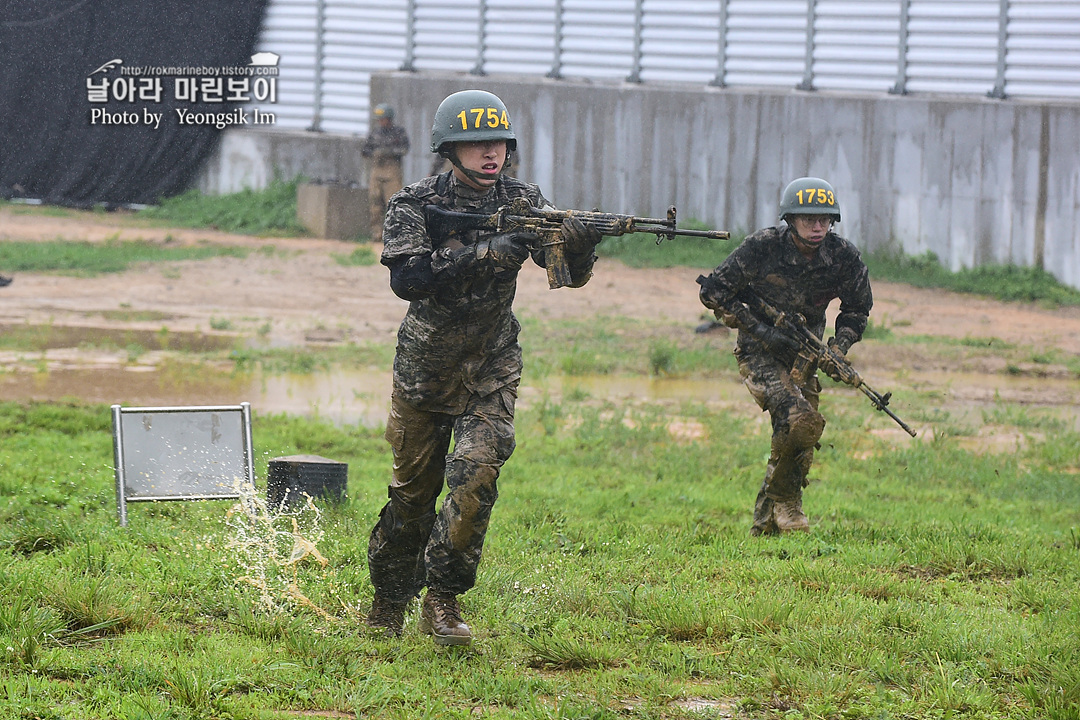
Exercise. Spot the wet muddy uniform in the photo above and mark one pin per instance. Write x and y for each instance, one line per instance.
(456, 372)
(385, 146)
(770, 265)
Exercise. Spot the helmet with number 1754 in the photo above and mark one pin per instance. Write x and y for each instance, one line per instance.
(471, 116)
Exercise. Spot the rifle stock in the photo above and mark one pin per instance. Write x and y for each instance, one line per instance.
(546, 223)
(816, 352)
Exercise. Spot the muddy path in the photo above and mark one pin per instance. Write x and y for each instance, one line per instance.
(294, 291)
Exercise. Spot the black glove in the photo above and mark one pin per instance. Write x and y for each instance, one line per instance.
(777, 341)
(841, 344)
(708, 293)
(505, 251)
(580, 238)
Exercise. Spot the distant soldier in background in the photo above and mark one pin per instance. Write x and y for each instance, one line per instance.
(385, 145)
(798, 268)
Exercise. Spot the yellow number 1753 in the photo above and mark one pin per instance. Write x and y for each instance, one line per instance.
(818, 195)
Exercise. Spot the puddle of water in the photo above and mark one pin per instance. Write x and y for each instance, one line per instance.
(343, 397)
(362, 397)
(50, 337)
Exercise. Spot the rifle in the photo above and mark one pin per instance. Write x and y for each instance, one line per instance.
(813, 353)
(520, 216)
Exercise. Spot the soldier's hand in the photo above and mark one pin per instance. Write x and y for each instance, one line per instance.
(580, 238)
(777, 341)
(505, 251)
(832, 370)
(839, 346)
(708, 295)
(725, 317)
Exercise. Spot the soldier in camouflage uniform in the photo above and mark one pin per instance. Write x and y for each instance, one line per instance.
(797, 268)
(456, 370)
(385, 146)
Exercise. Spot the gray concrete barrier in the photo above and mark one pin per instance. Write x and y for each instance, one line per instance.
(253, 158)
(973, 180)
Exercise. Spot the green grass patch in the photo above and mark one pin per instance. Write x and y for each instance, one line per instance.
(1002, 282)
(306, 360)
(616, 345)
(360, 257)
(43, 210)
(618, 580)
(270, 211)
(87, 259)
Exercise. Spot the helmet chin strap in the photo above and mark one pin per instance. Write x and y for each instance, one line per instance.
(480, 178)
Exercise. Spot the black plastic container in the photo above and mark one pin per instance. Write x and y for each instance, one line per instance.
(289, 478)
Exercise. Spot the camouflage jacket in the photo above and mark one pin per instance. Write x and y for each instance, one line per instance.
(770, 265)
(385, 145)
(463, 338)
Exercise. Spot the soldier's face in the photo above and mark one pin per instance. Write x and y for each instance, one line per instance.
(810, 229)
(484, 158)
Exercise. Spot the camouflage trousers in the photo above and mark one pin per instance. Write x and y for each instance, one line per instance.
(796, 428)
(411, 546)
(384, 180)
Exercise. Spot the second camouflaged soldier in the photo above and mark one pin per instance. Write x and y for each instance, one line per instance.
(456, 370)
(385, 146)
(797, 268)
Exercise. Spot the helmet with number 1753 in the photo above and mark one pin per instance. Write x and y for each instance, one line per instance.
(809, 196)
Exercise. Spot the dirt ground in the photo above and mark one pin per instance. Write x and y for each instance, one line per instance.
(299, 293)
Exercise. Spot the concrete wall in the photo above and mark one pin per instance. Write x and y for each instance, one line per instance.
(972, 180)
(252, 159)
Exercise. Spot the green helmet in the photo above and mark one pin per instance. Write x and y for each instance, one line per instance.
(382, 110)
(469, 116)
(809, 196)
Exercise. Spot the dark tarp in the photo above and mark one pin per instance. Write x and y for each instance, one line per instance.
(48, 49)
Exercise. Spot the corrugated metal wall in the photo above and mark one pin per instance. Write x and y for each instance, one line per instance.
(1001, 48)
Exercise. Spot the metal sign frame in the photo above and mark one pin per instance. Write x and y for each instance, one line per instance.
(180, 453)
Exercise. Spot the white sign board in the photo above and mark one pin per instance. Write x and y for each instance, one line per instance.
(180, 453)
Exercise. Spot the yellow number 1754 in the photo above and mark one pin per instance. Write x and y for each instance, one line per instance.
(490, 117)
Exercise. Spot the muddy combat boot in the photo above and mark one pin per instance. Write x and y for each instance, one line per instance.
(779, 502)
(764, 520)
(387, 616)
(440, 617)
(775, 516)
(788, 515)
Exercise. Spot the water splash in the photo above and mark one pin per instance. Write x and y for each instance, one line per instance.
(270, 545)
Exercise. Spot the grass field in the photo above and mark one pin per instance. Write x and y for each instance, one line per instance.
(618, 580)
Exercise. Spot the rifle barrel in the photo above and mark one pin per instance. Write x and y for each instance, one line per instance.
(660, 228)
(712, 234)
(883, 407)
